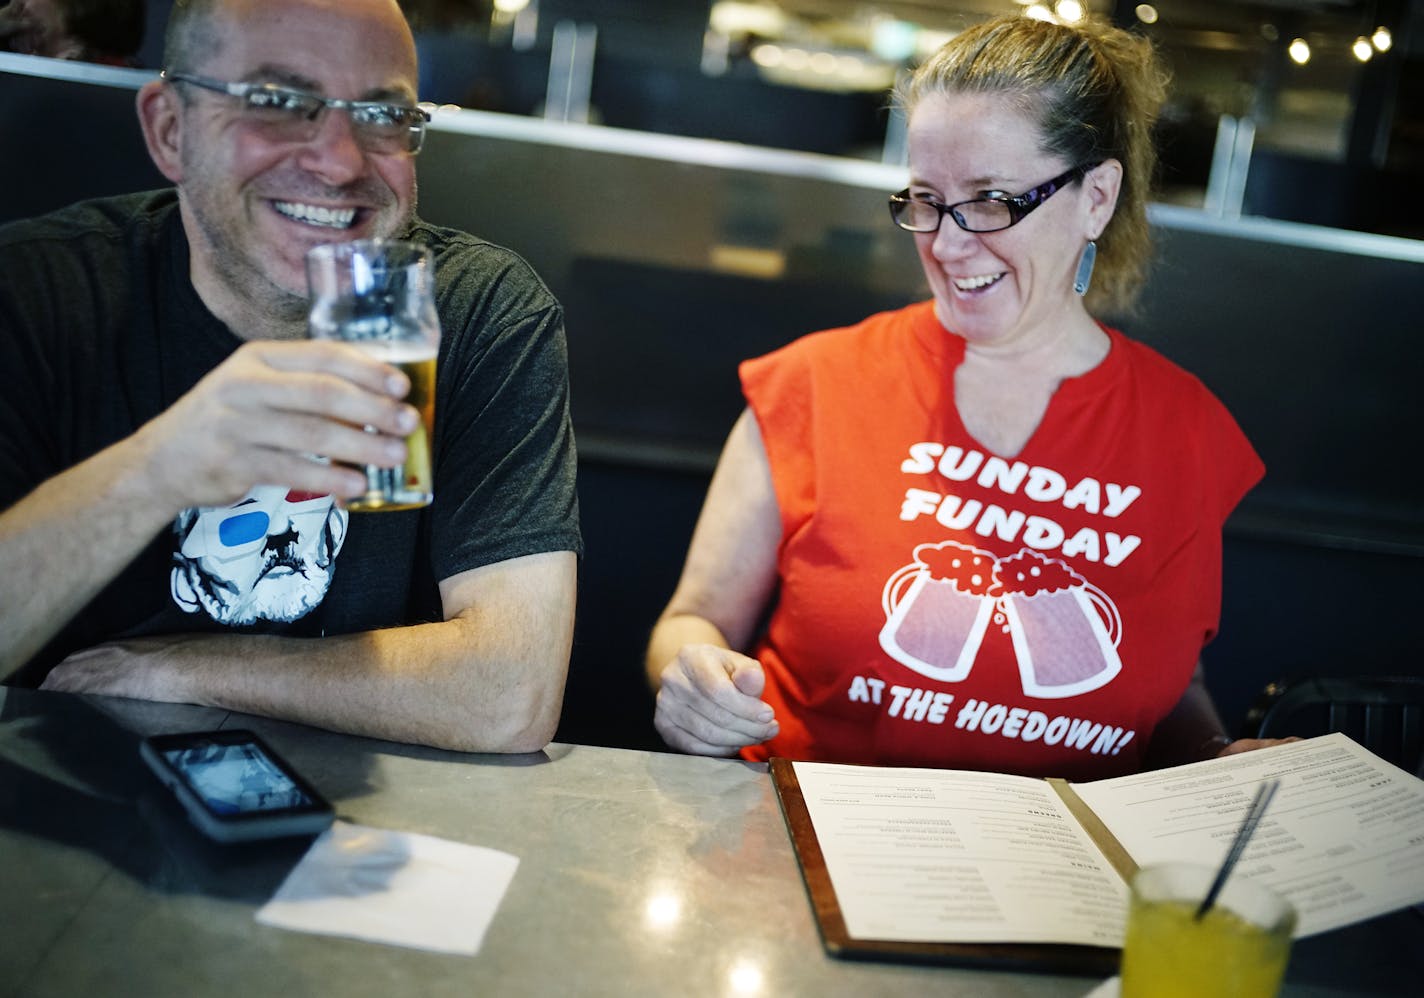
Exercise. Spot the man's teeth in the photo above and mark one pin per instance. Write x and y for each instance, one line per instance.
(974, 283)
(331, 218)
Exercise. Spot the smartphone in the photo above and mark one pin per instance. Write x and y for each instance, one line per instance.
(234, 787)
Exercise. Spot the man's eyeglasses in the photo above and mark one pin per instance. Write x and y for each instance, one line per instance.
(980, 214)
(291, 115)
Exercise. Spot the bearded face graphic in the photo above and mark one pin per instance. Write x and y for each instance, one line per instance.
(269, 556)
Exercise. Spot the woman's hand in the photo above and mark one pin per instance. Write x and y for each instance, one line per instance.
(709, 702)
(1240, 745)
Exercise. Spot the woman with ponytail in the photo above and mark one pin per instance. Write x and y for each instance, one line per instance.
(982, 531)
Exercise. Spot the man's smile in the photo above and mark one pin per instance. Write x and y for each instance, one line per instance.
(311, 214)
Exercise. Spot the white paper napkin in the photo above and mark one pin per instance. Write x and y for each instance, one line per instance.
(1107, 989)
(393, 887)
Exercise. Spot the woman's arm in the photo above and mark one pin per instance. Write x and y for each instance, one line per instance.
(1194, 731)
(708, 692)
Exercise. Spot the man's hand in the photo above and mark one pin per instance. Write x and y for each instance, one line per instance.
(709, 702)
(263, 416)
(259, 418)
(121, 669)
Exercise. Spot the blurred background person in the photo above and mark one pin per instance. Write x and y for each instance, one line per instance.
(103, 31)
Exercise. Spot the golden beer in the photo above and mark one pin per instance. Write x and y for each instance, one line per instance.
(379, 295)
(412, 484)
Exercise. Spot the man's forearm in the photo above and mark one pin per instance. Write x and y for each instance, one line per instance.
(489, 679)
(421, 684)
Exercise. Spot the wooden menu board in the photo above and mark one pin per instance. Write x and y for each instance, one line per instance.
(1045, 957)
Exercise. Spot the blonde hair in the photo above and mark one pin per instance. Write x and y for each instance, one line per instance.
(1095, 91)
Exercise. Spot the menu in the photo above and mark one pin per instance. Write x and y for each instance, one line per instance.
(970, 866)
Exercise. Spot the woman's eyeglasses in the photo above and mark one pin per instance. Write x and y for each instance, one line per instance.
(979, 214)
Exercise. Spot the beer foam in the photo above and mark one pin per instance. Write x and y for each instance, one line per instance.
(397, 351)
(969, 569)
(1029, 573)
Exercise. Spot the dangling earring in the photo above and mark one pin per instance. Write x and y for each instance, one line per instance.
(1084, 277)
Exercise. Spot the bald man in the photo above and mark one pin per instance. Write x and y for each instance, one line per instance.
(166, 532)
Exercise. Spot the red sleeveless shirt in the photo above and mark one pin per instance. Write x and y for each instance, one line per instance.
(939, 605)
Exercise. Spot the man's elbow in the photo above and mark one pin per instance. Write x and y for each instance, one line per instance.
(530, 723)
(522, 719)
(534, 738)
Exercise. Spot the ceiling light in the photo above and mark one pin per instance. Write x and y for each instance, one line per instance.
(1039, 12)
(730, 18)
(1382, 39)
(768, 55)
(1362, 49)
(893, 40)
(1299, 51)
(1068, 11)
(1146, 13)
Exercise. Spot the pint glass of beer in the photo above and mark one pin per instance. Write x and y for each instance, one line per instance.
(379, 295)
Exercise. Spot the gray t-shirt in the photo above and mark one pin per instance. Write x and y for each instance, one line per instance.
(101, 330)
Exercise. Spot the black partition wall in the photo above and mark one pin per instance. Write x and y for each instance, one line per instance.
(677, 258)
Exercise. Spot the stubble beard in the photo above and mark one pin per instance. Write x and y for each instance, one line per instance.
(244, 294)
(233, 285)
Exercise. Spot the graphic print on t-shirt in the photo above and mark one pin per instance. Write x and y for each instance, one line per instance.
(269, 556)
(935, 625)
(1065, 630)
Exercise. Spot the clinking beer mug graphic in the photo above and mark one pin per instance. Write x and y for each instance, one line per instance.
(1065, 631)
(937, 609)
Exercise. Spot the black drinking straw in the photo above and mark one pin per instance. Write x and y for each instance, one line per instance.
(1258, 807)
